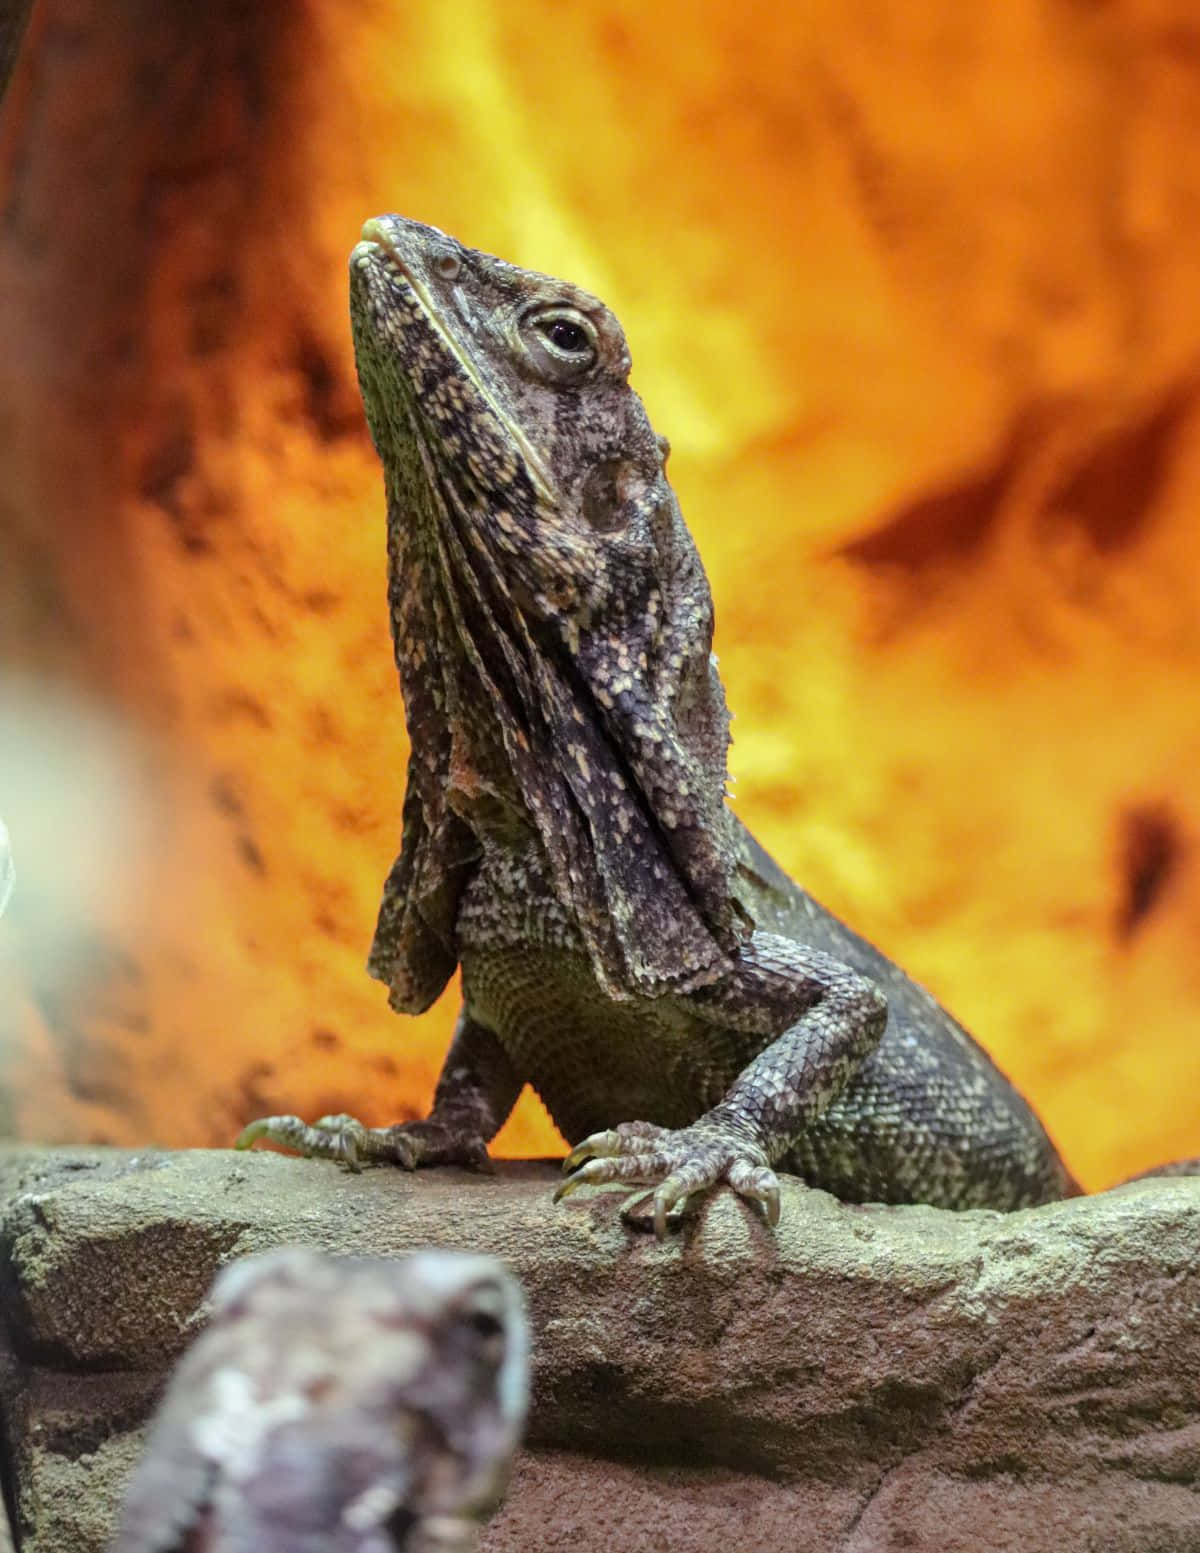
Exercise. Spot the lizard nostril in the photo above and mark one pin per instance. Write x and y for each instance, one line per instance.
(448, 266)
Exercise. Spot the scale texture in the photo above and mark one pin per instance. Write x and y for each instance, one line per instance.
(689, 1015)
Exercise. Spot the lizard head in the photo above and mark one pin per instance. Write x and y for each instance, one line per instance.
(551, 618)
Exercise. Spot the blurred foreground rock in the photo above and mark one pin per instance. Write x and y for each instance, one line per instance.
(869, 1379)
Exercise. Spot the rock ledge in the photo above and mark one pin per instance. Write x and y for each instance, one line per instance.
(865, 1379)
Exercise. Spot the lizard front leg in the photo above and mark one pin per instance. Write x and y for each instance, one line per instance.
(475, 1093)
(820, 1018)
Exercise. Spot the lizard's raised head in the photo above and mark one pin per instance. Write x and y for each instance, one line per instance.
(551, 618)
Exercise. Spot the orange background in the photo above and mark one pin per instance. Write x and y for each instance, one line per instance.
(911, 288)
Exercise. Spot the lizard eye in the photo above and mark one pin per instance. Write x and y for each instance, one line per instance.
(568, 337)
(562, 342)
(448, 266)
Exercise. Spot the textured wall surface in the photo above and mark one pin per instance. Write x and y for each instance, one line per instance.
(911, 287)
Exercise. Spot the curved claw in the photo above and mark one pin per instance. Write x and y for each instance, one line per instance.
(607, 1169)
(671, 1196)
(684, 1163)
(760, 1184)
(250, 1134)
(627, 1141)
(573, 1182)
(332, 1137)
(665, 1198)
(287, 1131)
(755, 1183)
(600, 1145)
(348, 1141)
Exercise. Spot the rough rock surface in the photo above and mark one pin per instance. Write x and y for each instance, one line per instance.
(866, 1379)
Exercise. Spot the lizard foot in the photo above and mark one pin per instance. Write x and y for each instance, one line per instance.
(681, 1161)
(347, 1140)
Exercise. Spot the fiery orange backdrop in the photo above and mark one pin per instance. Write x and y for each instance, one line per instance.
(910, 286)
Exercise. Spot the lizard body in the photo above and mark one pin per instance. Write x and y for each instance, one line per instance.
(688, 1013)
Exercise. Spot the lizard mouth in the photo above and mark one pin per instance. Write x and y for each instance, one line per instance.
(375, 237)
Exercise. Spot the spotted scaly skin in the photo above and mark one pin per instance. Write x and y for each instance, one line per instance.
(337, 1405)
(688, 1014)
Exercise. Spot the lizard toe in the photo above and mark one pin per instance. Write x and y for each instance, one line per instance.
(747, 1176)
(671, 1196)
(630, 1139)
(632, 1168)
(759, 1183)
(332, 1137)
(677, 1163)
(348, 1141)
(434, 1141)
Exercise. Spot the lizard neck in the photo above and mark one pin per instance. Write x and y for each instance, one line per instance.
(551, 617)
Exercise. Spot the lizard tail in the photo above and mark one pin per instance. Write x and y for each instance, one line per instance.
(1175, 1167)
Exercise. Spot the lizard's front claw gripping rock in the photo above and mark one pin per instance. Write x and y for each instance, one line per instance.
(681, 1162)
(347, 1140)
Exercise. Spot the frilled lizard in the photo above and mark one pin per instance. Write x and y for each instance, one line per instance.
(336, 1405)
(688, 1014)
